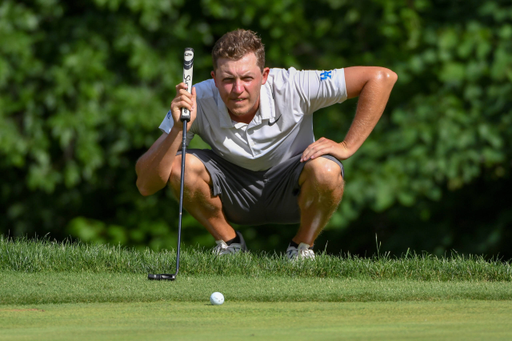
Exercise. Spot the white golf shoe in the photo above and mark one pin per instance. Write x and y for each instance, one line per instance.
(303, 251)
(224, 249)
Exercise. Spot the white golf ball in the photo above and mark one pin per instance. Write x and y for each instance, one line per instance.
(217, 298)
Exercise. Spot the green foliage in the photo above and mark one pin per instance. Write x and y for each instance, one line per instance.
(84, 86)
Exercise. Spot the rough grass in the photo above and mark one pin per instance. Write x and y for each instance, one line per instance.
(32, 256)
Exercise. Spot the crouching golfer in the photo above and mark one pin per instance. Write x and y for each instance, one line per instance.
(265, 165)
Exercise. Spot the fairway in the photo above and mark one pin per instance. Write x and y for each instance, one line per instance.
(447, 320)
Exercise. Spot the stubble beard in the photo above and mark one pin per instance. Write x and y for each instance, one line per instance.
(241, 111)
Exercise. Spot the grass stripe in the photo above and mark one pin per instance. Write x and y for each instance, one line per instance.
(447, 320)
(83, 287)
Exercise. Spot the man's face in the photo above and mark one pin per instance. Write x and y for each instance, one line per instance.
(239, 83)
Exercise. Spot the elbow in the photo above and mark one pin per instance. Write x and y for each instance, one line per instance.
(146, 184)
(144, 193)
(140, 183)
(143, 190)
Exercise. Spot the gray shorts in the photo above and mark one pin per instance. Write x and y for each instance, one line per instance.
(255, 198)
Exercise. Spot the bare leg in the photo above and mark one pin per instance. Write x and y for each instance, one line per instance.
(197, 198)
(320, 194)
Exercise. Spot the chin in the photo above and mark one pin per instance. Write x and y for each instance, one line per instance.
(239, 111)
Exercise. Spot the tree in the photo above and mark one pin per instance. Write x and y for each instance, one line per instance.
(84, 86)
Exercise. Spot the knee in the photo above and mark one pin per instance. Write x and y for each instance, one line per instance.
(324, 173)
(193, 170)
(174, 178)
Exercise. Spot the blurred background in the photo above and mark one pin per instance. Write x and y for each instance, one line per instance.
(85, 84)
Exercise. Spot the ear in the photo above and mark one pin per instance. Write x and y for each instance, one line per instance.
(265, 73)
(213, 76)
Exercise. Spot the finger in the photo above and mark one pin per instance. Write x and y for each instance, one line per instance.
(181, 102)
(194, 94)
(310, 151)
(183, 99)
(184, 93)
(181, 86)
(318, 148)
(194, 98)
(181, 93)
(322, 150)
(330, 148)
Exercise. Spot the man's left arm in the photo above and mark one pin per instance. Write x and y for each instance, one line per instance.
(373, 86)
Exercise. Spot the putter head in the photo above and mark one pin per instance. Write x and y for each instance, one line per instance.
(162, 277)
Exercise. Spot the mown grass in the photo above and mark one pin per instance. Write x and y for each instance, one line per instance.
(167, 320)
(86, 287)
(43, 255)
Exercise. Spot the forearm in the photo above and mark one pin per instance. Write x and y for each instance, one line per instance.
(154, 167)
(373, 98)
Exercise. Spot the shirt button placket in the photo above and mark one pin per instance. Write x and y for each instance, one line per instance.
(251, 145)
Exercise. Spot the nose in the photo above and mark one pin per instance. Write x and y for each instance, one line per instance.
(238, 87)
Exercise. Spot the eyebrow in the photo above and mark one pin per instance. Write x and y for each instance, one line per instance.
(231, 75)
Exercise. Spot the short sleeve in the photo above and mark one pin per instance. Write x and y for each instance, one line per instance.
(168, 123)
(322, 88)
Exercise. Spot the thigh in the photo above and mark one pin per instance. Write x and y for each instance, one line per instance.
(194, 165)
(255, 198)
(239, 189)
(282, 190)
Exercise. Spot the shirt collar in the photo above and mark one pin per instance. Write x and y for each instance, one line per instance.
(266, 109)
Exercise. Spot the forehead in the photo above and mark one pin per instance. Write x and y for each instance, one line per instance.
(246, 64)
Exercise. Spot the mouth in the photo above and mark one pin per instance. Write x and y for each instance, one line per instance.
(239, 101)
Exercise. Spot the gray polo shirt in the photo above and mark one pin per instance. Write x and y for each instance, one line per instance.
(283, 125)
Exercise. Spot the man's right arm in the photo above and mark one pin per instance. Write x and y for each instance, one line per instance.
(154, 167)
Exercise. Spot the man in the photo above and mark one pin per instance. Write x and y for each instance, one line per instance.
(265, 165)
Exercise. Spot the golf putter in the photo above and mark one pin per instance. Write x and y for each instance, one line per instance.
(188, 68)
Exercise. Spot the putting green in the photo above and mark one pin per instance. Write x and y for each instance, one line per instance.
(235, 320)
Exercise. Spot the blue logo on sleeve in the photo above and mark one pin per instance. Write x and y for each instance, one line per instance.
(324, 75)
(169, 115)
